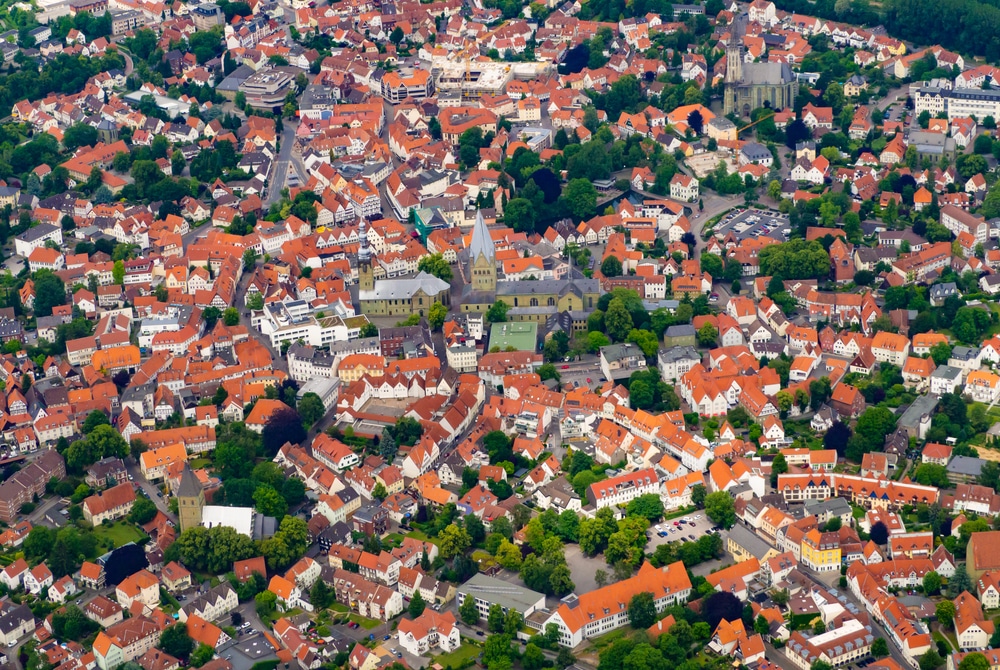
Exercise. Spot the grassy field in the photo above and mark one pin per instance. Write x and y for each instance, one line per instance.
(364, 622)
(200, 463)
(120, 533)
(456, 659)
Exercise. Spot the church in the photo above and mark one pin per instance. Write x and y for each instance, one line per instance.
(396, 297)
(528, 300)
(749, 86)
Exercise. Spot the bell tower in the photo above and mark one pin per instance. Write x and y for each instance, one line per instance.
(190, 500)
(482, 257)
(734, 64)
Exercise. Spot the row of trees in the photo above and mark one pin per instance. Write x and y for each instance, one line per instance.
(216, 549)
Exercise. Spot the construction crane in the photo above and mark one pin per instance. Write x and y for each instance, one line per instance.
(751, 125)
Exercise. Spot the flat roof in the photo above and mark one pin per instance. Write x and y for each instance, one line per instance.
(522, 335)
(505, 594)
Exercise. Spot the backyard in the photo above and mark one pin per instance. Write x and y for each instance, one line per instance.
(466, 653)
(120, 533)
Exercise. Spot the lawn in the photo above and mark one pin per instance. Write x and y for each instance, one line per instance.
(364, 622)
(938, 637)
(458, 658)
(604, 640)
(120, 533)
(200, 463)
(422, 537)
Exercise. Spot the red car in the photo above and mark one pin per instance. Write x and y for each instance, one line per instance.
(565, 367)
(588, 380)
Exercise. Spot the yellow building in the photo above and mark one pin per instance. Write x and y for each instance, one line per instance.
(355, 366)
(821, 551)
(396, 297)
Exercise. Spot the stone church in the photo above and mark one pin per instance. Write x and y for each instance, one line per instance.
(749, 86)
(541, 301)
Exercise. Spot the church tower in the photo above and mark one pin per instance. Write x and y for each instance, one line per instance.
(734, 64)
(366, 278)
(482, 258)
(190, 500)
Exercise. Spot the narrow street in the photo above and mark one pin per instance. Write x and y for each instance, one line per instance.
(151, 490)
(283, 162)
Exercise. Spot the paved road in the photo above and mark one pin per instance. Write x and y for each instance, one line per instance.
(280, 362)
(899, 92)
(279, 171)
(150, 490)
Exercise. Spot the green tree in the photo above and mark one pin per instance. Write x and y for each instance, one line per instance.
(774, 189)
(642, 610)
(520, 215)
(265, 603)
(93, 420)
(580, 197)
(453, 540)
(611, 267)
(269, 502)
(494, 618)
(960, 581)
(436, 265)
(707, 335)
(176, 641)
(310, 408)
(533, 658)
(880, 648)
(202, 655)
(974, 661)
(932, 583)
(720, 509)
(437, 315)
(143, 510)
(649, 507)
(417, 605)
(468, 611)
(945, 612)
(497, 313)
(50, 291)
(617, 320)
(38, 545)
(321, 595)
(931, 660)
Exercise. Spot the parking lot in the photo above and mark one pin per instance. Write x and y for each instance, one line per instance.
(685, 529)
(585, 372)
(753, 223)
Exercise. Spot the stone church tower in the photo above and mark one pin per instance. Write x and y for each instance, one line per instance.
(482, 258)
(734, 65)
(190, 500)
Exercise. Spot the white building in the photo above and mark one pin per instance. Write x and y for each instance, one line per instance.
(429, 631)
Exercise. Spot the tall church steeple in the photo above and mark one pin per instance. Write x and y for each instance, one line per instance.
(366, 278)
(482, 257)
(190, 500)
